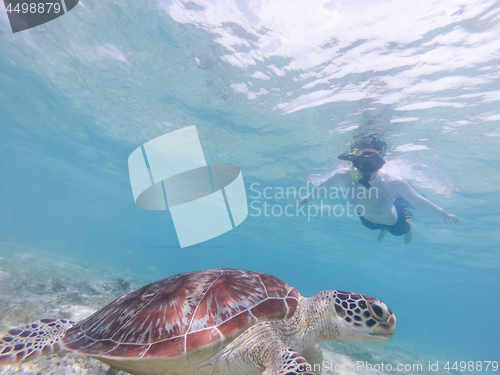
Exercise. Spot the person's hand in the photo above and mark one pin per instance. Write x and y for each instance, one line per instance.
(304, 200)
(449, 218)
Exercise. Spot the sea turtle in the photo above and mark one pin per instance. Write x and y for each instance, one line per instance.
(221, 321)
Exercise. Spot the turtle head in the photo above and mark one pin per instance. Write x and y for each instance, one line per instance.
(356, 317)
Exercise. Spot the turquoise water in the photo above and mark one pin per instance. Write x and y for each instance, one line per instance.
(278, 89)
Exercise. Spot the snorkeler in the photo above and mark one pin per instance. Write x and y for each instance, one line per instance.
(385, 207)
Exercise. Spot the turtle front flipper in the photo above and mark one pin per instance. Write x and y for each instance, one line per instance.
(30, 341)
(288, 362)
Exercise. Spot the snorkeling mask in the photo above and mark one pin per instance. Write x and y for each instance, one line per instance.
(366, 161)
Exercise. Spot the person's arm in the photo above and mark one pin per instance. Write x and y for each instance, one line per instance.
(337, 177)
(405, 190)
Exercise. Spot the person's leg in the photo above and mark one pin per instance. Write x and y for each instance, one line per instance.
(381, 235)
(408, 237)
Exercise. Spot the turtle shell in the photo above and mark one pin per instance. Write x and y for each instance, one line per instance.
(183, 314)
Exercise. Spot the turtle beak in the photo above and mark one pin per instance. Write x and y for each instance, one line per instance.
(381, 337)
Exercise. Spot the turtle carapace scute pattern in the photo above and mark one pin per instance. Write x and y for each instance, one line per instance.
(186, 312)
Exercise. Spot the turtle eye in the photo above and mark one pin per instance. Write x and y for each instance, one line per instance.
(378, 311)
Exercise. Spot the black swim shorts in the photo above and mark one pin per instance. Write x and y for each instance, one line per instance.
(402, 226)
